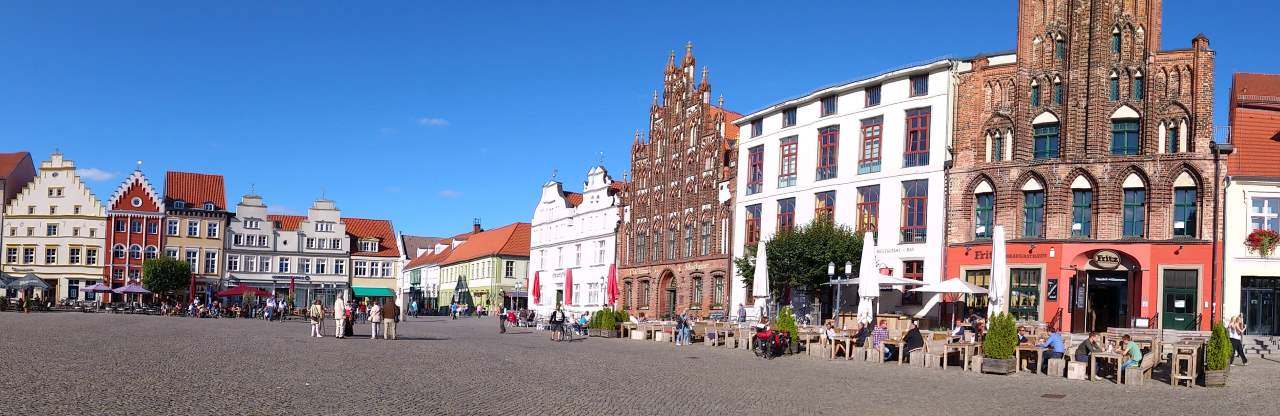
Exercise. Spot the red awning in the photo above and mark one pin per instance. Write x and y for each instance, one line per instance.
(241, 290)
(568, 287)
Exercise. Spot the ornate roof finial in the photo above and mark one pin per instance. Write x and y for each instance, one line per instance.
(600, 160)
(688, 53)
(637, 136)
(721, 103)
(554, 171)
(655, 97)
(139, 165)
(671, 59)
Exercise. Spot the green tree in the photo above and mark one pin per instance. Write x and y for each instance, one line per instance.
(165, 274)
(799, 257)
(1001, 338)
(1217, 354)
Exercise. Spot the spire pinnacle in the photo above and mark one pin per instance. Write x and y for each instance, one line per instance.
(655, 97)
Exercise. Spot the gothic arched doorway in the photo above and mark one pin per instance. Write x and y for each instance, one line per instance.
(667, 287)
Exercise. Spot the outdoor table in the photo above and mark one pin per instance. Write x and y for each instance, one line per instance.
(1017, 355)
(808, 336)
(966, 348)
(1093, 363)
(1192, 350)
(848, 346)
(898, 342)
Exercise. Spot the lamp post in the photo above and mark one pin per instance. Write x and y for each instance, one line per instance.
(831, 275)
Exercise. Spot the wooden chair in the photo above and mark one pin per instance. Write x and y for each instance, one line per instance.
(935, 353)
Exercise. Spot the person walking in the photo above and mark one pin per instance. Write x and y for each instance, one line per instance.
(339, 317)
(502, 323)
(742, 313)
(453, 310)
(557, 319)
(375, 318)
(390, 317)
(316, 315)
(413, 308)
(1236, 333)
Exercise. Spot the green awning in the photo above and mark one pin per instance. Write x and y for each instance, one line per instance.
(373, 292)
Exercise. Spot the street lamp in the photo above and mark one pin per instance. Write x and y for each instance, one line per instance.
(831, 275)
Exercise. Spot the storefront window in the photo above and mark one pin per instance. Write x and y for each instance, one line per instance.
(977, 304)
(1024, 294)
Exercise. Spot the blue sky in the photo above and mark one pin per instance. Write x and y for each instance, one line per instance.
(432, 113)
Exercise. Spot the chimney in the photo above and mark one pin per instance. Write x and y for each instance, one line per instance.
(475, 225)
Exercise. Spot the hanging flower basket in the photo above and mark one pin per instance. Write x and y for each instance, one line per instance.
(1262, 241)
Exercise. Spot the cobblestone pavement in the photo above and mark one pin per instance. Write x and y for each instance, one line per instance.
(72, 363)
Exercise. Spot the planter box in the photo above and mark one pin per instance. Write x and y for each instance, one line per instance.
(1215, 378)
(602, 333)
(994, 366)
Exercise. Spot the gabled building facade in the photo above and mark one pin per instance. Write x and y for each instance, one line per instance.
(574, 234)
(135, 217)
(16, 171)
(375, 259)
(1251, 278)
(1092, 147)
(867, 154)
(673, 243)
(484, 269)
(195, 225)
(55, 228)
(421, 276)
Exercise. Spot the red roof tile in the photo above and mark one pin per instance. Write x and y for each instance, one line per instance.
(286, 222)
(382, 230)
(617, 186)
(1256, 85)
(10, 162)
(510, 240)
(573, 198)
(429, 258)
(195, 189)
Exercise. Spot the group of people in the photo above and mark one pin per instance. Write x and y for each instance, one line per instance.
(344, 313)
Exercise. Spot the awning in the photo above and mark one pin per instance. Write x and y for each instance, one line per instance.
(373, 292)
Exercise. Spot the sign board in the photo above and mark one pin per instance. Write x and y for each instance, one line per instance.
(1051, 289)
(1106, 259)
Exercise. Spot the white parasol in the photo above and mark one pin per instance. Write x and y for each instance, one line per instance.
(996, 299)
(760, 281)
(869, 282)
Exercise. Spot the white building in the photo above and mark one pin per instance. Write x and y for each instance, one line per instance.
(574, 234)
(422, 273)
(867, 152)
(55, 229)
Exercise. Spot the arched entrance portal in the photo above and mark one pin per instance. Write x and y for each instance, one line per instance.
(667, 294)
(1103, 289)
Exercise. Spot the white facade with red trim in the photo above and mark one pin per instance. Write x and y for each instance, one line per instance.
(573, 234)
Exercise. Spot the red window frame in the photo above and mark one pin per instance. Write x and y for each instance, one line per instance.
(824, 205)
(915, 201)
(868, 208)
(788, 150)
(828, 152)
(755, 164)
(786, 214)
(872, 143)
(912, 269)
(753, 224)
(917, 141)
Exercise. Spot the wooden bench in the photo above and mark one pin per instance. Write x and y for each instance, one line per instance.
(1135, 375)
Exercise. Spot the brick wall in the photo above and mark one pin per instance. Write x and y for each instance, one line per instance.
(997, 98)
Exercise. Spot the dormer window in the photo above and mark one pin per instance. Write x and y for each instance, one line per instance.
(369, 245)
(208, 206)
(180, 204)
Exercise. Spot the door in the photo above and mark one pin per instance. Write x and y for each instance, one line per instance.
(1079, 302)
(1108, 299)
(1260, 311)
(671, 302)
(1180, 300)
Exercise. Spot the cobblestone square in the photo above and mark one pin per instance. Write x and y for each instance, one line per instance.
(73, 363)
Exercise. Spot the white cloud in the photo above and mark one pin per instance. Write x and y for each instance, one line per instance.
(449, 193)
(95, 174)
(433, 121)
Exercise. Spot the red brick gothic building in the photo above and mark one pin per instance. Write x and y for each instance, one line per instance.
(135, 223)
(1091, 145)
(673, 242)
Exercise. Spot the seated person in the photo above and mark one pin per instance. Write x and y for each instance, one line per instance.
(1088, 348)
(860, 333)
(829, 330)
(1055, 346)
(1132, 352)
(878, 336)
(913, 340)
(957, 331)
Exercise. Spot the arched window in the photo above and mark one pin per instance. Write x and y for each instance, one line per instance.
(1185, 214)
(1135, 207)
(1081, 207)
(1045, 136)
(1139, 89)
(152, 251)
(1113, 87)
(1125, 133)
(984, 201)
(996, 145)
(1035, 93)
(1057, 91)
(1033, 209)
(1115, 40)
(135, 251)
(1059, 47)
(118, 251)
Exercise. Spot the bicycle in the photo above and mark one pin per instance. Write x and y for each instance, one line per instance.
(561, 332)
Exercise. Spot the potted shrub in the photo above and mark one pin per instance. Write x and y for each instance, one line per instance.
(998, 345)
(1217, 357)
(787, 323)
(1262, 241)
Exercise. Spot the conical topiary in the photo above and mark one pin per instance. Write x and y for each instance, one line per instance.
(1001, 338)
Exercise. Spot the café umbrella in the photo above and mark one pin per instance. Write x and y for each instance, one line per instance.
(568, 287)
(97, 288)
(535, 290)
(868, 279)
(760, 279)
(950, 286)
(996, 299)
(611, 285)
(28, 281)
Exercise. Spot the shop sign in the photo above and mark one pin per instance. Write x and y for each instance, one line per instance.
(1051, 289)
(1106, 259)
